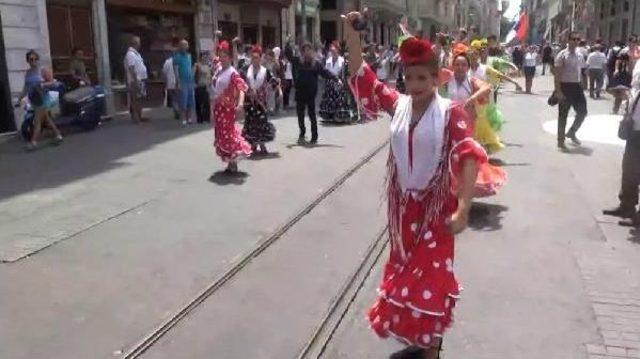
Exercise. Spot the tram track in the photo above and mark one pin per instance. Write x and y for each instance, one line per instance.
(318, 342)
(156, 334)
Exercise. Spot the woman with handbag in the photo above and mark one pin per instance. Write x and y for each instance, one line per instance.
(630, 132)
(35, 90)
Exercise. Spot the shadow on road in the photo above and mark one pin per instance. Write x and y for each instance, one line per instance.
(580, 150)
(310, 145)
(500, 163)
(634, 235)
(337, 124)
(486, 216)
(264, 156)
(223, 178)
(83, 154)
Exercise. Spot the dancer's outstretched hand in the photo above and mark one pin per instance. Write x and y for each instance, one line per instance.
(457, 222)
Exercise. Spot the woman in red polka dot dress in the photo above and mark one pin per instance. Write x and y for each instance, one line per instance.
(228, 91)
(432, 168)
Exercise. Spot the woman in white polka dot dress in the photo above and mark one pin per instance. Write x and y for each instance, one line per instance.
(432, 169)
(228, 91)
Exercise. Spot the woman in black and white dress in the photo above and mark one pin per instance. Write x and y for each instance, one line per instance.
(335, 106)
(257, 128)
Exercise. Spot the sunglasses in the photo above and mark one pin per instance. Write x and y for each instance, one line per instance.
(574, 38)
(32, 59)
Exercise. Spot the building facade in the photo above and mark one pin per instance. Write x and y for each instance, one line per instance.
(609, 20)
(102, 28)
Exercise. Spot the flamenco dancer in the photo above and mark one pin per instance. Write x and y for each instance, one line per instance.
(489, 119)
(334, 106)
(228, 89)
(257, 128)
(474, 94)
(432, 168)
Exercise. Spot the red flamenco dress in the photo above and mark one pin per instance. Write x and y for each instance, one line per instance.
(418, 290)
(229, 143)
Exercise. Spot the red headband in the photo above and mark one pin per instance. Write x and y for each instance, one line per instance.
(414, 51)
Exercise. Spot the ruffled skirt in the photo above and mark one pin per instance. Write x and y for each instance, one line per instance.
(229, 143)
(416, 297)
(488, 122)
(257, 128)
(335, 104)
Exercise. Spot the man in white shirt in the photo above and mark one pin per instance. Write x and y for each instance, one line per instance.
(136, 77)
(169, 77)
(567, 72)
(628, 194)
(596, 65)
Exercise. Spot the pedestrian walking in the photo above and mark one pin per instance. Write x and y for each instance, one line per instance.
(518, 57)
(612, 59)
(307, 71)
(621, 82)
(287, 83)
(430, 186)
(228, 91)
(547, 58)
(567, 72)
(36, 91)
(185, 84)
(136, 72)
(169, 78)
(584, 51)
(628, 194)
(596, 64)
(529, 63)
(257, 128)
(203, 74)
(632, 50)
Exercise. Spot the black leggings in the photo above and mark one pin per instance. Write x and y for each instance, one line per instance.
(308, 103)
(203, 110)
(574, 97)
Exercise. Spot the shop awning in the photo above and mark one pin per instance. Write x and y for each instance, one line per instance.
(182, 6)
(281, 3)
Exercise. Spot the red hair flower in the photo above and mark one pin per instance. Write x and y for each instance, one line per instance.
(223, 46)
(414, 51)
(256, 49)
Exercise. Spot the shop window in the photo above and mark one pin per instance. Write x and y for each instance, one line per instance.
(328, 31)
(328, 5)
(626, 6)
(250, 34)
(70, 27)
(614, 5)
(625, 29)
(268, 37)
(602, 9)
(229, 29)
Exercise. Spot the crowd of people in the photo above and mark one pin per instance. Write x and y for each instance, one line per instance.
(442, 97)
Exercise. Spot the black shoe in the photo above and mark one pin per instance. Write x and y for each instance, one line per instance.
(620, 212)
(411, 352)
(313, 141)
(631, 222)
(574, 139)
(301, 140)
(562, 146)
